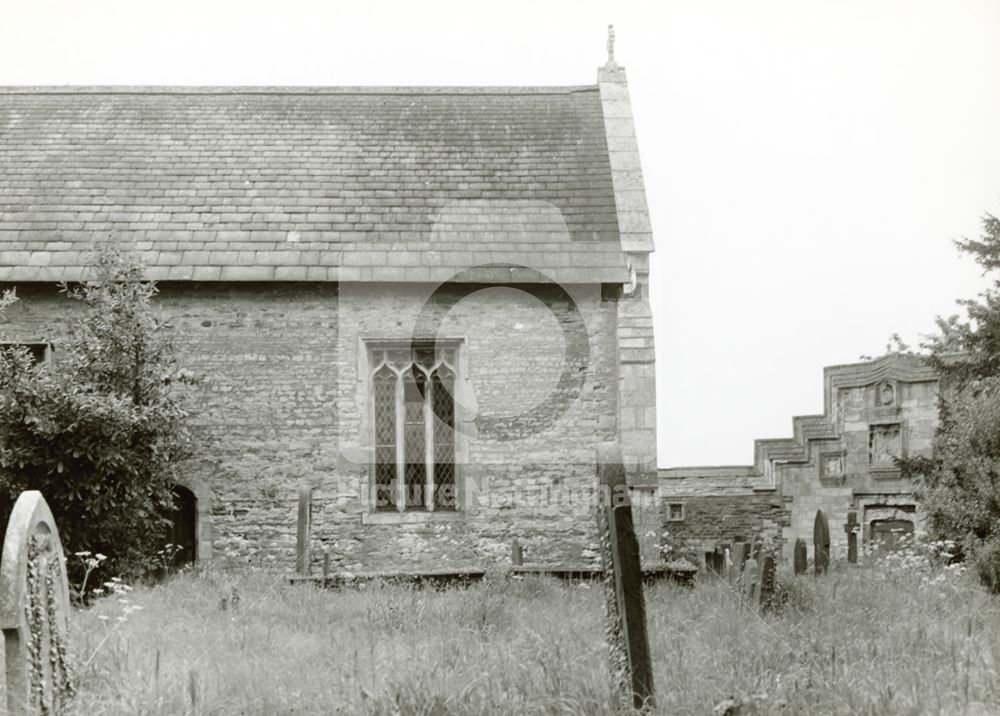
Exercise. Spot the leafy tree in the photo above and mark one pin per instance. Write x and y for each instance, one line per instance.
(101, 430)
(960, 487)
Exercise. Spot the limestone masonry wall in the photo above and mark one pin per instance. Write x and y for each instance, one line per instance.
(284, 405)
(533, 479)
(708, 520)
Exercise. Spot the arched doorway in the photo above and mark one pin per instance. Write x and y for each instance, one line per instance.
(183, 530)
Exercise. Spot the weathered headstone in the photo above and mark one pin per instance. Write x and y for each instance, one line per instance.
(851, 528)
(516, 554)
(740, 552)
(628, 641)
(821, 543)
(718, 560)
(748, 582)
(766, 581)
(303, 535)
(800, 557)
(34, 610)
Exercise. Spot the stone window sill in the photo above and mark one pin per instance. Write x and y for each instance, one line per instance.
(409, 518)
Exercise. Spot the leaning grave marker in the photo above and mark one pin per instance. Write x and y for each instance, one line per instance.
(628, 641)
(34, 610)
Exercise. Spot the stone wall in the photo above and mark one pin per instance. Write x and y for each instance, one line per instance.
(283, 405)
(532, 477)
(727, 518)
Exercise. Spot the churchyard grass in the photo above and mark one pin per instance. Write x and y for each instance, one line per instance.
(904, 640)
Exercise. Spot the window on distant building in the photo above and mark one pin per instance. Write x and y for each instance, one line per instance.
(675, 511)
(40, 352)
(413, 425)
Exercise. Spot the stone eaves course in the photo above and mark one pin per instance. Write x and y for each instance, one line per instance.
(310, 184)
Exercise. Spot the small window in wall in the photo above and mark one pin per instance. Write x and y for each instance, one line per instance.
(413, 421)
(39, 352)
(675, 511)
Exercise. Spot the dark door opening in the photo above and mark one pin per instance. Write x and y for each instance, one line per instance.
(890, 532)
(182, 533)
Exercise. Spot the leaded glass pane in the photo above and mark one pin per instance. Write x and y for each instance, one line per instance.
(422, 367)
(414, 439)
(384, 396)
(443, 407)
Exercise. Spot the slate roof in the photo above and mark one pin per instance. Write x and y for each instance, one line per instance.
(394, 184)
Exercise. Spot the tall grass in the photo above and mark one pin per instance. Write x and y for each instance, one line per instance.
(857, 641)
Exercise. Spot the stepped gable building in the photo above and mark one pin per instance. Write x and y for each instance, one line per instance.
(424, 304)
(837, 462)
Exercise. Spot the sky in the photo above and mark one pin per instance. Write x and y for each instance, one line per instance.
(808, 165)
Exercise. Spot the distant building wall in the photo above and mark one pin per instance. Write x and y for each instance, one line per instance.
(837, 462)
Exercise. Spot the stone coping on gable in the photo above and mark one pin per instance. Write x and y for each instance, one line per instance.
(806, 428)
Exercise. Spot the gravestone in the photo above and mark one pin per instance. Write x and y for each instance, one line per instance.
(516, 554)
(821, 543)
(766, 581)
(303, 533)
(851, 528)
(740, 552)
(748, 581)
(628, 642)
(34, 610)
(800, 557)
(718, 560)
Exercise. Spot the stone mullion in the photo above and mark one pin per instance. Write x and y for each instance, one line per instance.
(400, 447)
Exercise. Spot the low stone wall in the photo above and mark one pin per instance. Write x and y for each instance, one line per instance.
(708, 520)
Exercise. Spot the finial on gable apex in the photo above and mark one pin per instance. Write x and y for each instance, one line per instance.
(611, 71)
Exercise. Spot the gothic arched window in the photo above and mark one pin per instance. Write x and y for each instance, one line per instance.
(413, 419)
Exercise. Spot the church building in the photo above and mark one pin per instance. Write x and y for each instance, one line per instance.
(423, 305)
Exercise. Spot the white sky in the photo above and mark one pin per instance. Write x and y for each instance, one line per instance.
(807, 164)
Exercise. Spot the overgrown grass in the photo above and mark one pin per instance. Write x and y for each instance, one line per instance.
(856, 641)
